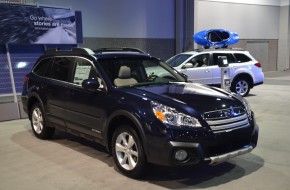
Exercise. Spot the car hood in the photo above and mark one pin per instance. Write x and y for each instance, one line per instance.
(200, 97)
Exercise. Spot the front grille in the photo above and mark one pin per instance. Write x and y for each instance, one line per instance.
(227, 119)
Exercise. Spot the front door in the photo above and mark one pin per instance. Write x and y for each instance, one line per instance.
(201, 70)
(85, 108)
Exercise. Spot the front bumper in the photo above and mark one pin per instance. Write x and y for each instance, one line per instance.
(224, 157)
(207, 150)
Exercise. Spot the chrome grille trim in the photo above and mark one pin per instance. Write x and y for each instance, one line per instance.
(230, 126)
(224, 121)
(229, 130)
(224, 113)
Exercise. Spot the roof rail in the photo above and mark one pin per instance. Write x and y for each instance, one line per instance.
(242, 49)
(216, 48)
(116, 49)
(197, 50)
(85, 51)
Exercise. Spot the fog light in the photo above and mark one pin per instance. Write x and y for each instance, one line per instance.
(181, 155)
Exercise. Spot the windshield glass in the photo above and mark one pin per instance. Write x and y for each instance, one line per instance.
(139, 71)
(178, 59)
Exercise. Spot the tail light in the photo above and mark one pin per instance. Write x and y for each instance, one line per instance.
(258, 65)
(25, 79)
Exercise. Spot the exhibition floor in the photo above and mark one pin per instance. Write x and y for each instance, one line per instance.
(67, 162)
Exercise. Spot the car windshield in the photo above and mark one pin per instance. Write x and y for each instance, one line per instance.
(139, 71)
(178, 59)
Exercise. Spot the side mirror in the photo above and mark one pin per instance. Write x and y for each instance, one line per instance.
(223, 61)
(187, 65)
(90, 84)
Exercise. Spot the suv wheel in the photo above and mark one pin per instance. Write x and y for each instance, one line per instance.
(38, 123)
(241, 86)
(128, 152)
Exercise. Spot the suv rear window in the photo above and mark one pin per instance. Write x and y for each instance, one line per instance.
(241, 58)
(61, 68)
(229, 56)
(42, 67)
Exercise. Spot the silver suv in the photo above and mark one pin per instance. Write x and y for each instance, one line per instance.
(201, 66)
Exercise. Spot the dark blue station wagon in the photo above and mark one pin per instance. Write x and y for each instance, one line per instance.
(138, 107)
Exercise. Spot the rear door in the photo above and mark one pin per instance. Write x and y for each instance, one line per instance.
(86, 108)
(55, 89)
(216, 71)
(242, 64)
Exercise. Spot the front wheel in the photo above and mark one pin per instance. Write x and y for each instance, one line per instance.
(128, 152)
(38, 123)
(241, 86)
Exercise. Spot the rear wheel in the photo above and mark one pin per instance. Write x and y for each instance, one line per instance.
(241, 86)
(38, 123)
(128, 152)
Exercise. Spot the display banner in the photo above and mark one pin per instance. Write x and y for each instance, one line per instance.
(39, 25)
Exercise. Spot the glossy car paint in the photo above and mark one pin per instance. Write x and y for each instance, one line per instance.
(95, 114)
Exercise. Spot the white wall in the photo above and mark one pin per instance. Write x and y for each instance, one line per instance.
(252, 2)
(285, 2)
(123, 18)
(251, 19)
(284, 38)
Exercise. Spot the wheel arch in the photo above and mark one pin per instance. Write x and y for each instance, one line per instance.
(32, 100)
(245, 76)
(126, 118)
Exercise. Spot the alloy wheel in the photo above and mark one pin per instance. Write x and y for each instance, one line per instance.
(126, 151)
(242, 87)
(37, 120)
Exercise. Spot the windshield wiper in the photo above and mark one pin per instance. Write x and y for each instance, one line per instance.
(149, 84)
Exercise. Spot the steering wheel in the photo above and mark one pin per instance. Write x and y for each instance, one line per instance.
(152, 77)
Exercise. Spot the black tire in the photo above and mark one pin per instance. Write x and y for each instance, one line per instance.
(128, 152)
(38, 123)
(241, 86)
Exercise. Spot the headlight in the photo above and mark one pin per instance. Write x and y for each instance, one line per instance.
(246, 104)
(170, 116)
(248, 107)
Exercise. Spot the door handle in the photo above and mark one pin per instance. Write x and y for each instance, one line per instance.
(207, 71)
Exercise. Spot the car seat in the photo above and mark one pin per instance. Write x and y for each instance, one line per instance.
(205, 62)
(124, 77)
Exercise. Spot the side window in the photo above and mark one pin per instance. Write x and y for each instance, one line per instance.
(229, 56)
(200, 60)
(241, 58)
(61, 68)
(84, 70)
(42, 66)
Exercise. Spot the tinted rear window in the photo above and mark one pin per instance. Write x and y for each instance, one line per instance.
(42, 67)
(229, 56)
(241, 58)
(61, 68)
